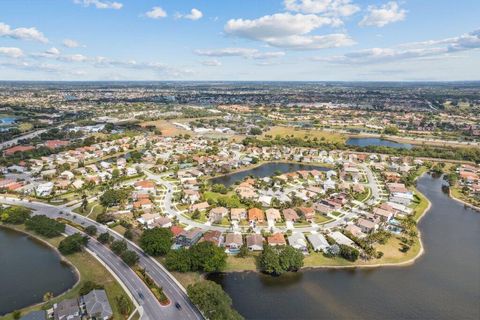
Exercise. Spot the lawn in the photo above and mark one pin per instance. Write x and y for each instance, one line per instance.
(167, 127)
(241, 264)
(319, 219)
(93, 209)
(326, 136)
(90, 270)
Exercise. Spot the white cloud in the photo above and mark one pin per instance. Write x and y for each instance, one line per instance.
(11, 52)
(156, 13)
(194, 14)
(414, 50)
(291, 31)
(240, 52)
(342, 8)
(53, 51)
(69, 43)
(22, 33)
(383, 15)
(211, 63)
(100, 4)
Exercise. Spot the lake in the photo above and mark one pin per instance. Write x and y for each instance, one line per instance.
(29, 269)
(442, 284)
(365, 142)
(264, 170)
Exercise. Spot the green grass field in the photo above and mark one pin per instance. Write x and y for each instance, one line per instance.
(326, 136)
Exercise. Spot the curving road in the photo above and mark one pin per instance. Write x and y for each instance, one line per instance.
(152, 310)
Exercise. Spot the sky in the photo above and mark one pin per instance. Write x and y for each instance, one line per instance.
(238, 40)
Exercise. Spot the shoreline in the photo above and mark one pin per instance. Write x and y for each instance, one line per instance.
(76, 272)
(260, 163)
(469, 205)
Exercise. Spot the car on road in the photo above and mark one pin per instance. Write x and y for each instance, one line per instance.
(140, 295)
(178, 306)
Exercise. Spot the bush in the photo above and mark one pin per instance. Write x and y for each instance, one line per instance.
(45, 226)
(91, 230)
(104, 238)
(72, 244)
(118, 246)
(14, 215)
(205, 256)
(349, 253)
(129, 257)
(276, 261)
(156, 241)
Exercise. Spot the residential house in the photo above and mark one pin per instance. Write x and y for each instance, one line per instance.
(367, 226)
(237, 214)
(290, 215)
(66, 309)
(276, 239)
(254, 242)
(298, 241)
(340, 238)
(233, 242)
(273, 215)
(96, 304)
(188, 238)
(256, 215)
(307, 212)
(212, 236)
(216, 214)
(318, 242)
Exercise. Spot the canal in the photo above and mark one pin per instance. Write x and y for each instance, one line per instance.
(442, 284)
(29, 269)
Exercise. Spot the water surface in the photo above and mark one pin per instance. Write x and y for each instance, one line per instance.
(265, 170)
(443, 284)
(365, 142)
(29, 269)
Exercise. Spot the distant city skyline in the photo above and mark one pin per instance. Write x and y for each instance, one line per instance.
(240, 40)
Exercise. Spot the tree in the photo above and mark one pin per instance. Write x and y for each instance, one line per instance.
(214, 303)
(104, 238)
(270, 261)
(45, 226)
(129, 257)
(91, 230)
(84, 202)
(392, 129)
(156, 241)
(179, 260)
(123, 305)
(113, 197)
(118, 246)
(291, 259)
(72, 244)
(349, 253)
(208, 257)
(243, 251)
(128, 234)
(255, 131)
(15, 215)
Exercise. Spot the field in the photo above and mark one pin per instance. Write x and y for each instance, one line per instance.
(167, 127)
(331, 137)
(90, 270)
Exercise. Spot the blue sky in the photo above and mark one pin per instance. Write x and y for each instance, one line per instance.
(344, 40)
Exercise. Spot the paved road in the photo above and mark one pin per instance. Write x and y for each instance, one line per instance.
(152, 309)
(14, 141)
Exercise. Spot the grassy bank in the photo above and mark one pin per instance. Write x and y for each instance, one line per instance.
(88, 268)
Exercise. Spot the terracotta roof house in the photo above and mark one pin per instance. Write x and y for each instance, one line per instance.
(212, 236)
(254, 242)
(54, 144)
(145, 185)
(307, 212)
(12, 150)
(290, 215)
(276, 239)
(176, 230)
(216, 214)
(256, 214)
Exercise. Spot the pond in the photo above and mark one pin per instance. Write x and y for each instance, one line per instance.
(264, 170)
(29, 269)
(442, 284)
(365, 142)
